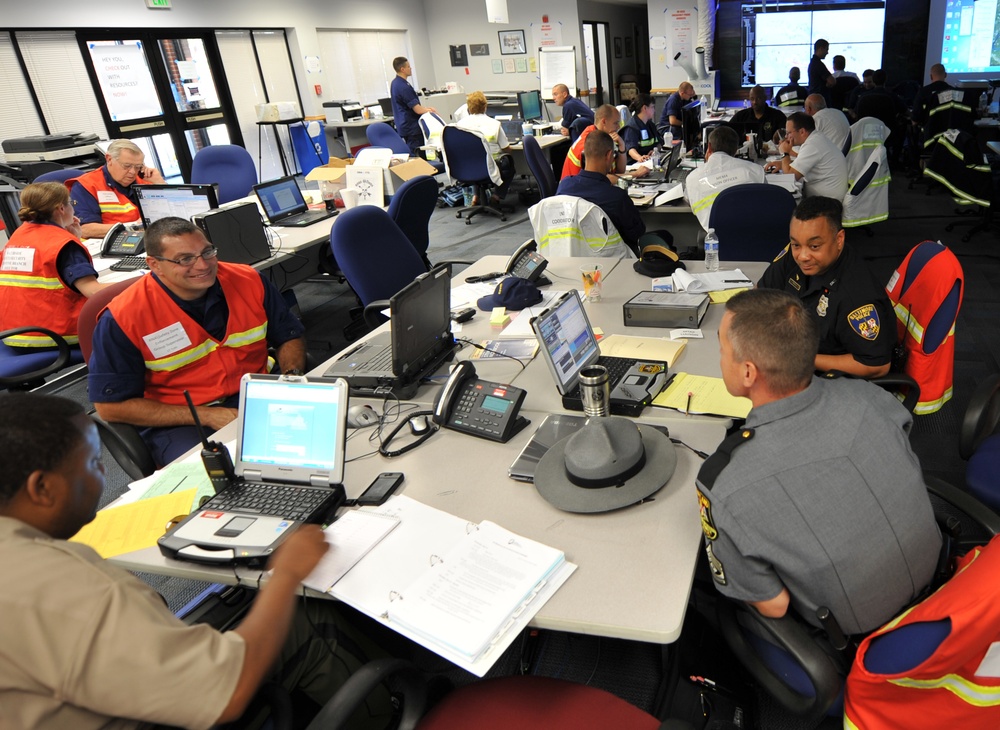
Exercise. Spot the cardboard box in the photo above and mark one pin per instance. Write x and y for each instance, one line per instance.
(335, 171)
(278, 111)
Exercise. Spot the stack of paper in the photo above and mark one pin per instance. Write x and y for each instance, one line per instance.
(710, 281)
(700, 394)
(642, 348)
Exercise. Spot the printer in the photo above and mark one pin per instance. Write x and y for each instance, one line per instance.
(342, 111)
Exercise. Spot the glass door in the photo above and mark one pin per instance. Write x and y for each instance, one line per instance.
(595, 40)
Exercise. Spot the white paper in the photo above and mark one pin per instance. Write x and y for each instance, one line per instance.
(710, 281)
(686, 334)
(369, 183)
(18, 259)
(167, 341)
(373, 157)
(674, 193)
(990, 665)
(350, 538)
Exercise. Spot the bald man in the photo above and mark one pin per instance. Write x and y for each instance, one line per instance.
(831, 123)
(929, 92)
(573, 108)
(672, 109)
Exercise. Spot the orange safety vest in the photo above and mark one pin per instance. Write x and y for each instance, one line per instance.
(208, 368)
(122, 210)
(574, 158)
(944, 690)
(917, 298)
(31, 292)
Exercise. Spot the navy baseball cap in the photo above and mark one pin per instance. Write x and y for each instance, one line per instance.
(512, 293)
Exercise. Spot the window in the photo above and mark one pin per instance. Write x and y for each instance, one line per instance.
(20, 118)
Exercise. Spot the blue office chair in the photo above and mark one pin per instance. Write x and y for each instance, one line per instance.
(411, 208)
(745, 234)
(227, 165)
(979, 445)
(540, 167)
(381, 134)
(27, 371)
(577, 127)
(431, 125)
(375, 256)
(60, 176)
(468, 162)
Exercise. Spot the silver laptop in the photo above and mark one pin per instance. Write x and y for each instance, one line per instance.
(289, 467)
(284, 205)
(419, 341)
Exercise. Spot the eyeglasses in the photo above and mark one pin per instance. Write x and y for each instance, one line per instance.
(188, 260)
(129, 167)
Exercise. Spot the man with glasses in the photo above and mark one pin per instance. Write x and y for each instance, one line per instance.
(104, 196)
(194, 324)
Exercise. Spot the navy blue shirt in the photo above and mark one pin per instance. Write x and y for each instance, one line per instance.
(640, 136)
(818, 74)
(573, 109)
(404, 98)
(614, 201)
(117, 369)
(672, 108)
(86, 206)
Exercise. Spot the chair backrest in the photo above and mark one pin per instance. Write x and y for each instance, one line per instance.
(57, 176)
(373, 253)
(465, 155)
(411, 209)
(381, 134)
(590, 232)
(950, 109)
(577, 127)
(227, 165)
(539, 166)
(841, 90)
(745, 233)
(431, 125)
(461, 113)
(88, 315)
(880, 106)
(868, 176)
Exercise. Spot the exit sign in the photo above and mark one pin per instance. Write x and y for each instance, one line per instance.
(158, 4)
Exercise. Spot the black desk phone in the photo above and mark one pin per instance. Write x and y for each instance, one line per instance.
(120, 241)
(524, 263)
(479, 407)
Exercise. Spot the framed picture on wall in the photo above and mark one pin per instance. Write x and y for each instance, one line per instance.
(512, 42)
(618, 47)
(628, 47)
(479, 49)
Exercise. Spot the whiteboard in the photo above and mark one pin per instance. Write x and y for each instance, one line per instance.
(556, 65)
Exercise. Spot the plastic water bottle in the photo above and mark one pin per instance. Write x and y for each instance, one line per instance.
(711, 250)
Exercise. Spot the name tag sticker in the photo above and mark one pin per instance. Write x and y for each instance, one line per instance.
(18, 259)
(106, 196)
(990, 666)
(167, 341)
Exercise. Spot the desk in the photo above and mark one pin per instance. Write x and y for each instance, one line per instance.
(635, 565)
(549, 143)
(354, 132)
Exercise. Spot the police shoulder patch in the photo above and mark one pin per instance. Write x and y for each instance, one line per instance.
(864, 321)
(705, 509)
(781, 253)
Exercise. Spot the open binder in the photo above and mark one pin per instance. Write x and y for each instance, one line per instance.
(462, 590)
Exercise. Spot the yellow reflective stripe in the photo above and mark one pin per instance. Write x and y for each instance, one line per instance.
(574, 233)
(37, 340)
(30, 282)
(932, 406)
(869, 144)
(704, 202)
(239, 339)
(573, 158)
(978, 695)
(116, 207)
(855, 222)
(175, 362)
(848, 725)
(961, 197)
(914, 327)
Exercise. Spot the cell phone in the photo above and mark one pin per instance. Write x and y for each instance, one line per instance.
(381, 489)
(141, 173)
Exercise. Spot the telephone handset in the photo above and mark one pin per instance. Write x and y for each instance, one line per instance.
(525, 263)
(479, 407)
(120, 241)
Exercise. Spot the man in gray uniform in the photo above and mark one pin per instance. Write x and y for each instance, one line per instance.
(819, 500)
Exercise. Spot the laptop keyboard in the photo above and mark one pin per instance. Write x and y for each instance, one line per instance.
(130, 263)
(275, 500)
(617, 367)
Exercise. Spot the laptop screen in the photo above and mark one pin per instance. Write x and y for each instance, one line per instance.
(280, 198)
(288, 426)
(421, 321)
(567, 340)
(161, 201)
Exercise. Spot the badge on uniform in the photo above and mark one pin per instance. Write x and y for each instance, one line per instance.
(793, 281)
(864, 321)
(823, 305)
(705, 509)
(718, 572)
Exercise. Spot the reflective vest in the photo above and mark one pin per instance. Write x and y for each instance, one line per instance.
(919, 290)
(944, 690)
(179, 354)
(31, 292)
(565, 225)
(574, 158)
(121, 210)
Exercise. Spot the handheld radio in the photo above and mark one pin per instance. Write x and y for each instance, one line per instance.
(214, 454)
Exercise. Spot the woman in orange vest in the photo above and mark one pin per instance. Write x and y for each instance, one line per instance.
(46, 273)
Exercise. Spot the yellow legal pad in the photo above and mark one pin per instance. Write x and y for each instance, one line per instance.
(119, 530)
(708, 395)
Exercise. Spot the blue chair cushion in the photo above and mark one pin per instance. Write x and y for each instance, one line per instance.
(981, 473)
(902, 649)
(13, 364)
(789, 671)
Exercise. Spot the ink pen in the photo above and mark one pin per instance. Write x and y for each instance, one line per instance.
(687, 411)
(736, 281)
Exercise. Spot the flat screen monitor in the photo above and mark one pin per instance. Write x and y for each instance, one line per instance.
(691, 124)
(530, 104)
(386, 105)
(183, 201)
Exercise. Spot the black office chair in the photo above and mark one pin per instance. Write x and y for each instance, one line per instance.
(970, 182)
(745, 232)
(468, 160)
(411, 208)
(540, 167)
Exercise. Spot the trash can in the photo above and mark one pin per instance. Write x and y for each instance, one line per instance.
(309, 142)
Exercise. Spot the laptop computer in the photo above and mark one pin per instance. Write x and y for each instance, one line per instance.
(568, 345)
(237, 231)
(184, 201)
(284, 205)
(418, 343)
(290, 445)
(513, 130)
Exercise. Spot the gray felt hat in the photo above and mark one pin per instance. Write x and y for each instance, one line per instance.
(608, 464)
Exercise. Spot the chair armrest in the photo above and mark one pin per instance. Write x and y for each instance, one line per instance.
(981, 416)
(452, 263)
(373, 313)
(893, 381)
(125, 444)
(987, 518)
(824, 671)
(61, 361)
(406, 679)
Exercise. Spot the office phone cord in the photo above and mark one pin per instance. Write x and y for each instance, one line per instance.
(597, 663)
(702, 454)
(495, 352)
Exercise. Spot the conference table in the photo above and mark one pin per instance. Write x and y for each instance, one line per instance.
(635, 564)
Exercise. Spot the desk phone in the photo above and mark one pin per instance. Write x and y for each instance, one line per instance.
(479, 407)
(120, 241)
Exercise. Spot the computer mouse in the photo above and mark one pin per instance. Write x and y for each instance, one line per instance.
(361, 416)
(420, 425)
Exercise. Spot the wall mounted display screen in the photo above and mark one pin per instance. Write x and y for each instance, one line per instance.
(777, 36)
(965, 35)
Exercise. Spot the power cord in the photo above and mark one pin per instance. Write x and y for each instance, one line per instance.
(495, 352)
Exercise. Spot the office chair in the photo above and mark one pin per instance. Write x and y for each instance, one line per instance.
(745, 232)
(122, 440)
(841, 90)
(430, 126)
(61, 175)
(590, 233)
(577, 127)
(868, 176)
(979, 445)
(411, 208)
(381, 134)
(227, 165)
(524, 702)
(969, 178)
(469, 162)
(28, 371)
(540, 167)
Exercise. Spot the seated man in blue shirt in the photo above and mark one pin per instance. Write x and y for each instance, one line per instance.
(672, 109)
(592, 184)
(573, 108)
(193, 324)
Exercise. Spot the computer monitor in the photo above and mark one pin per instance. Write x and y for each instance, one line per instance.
(530, 104)
(691, 124)
(183, 201)
(386, 105)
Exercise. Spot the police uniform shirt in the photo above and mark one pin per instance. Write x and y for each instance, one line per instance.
(826, 499)
(853, 311)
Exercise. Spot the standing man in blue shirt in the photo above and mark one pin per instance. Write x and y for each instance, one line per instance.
(572, 107)
(820, 78)
(406, 107)
(672, 109)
